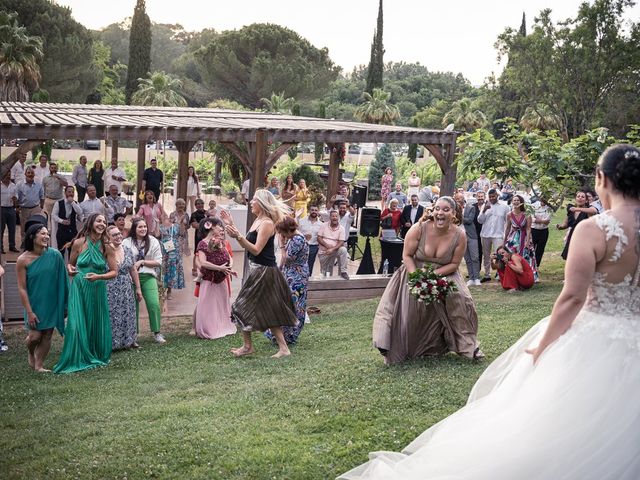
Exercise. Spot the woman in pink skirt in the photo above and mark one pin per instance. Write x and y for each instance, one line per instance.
(213, 314)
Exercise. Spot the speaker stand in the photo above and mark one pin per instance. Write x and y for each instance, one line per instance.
(366, 264)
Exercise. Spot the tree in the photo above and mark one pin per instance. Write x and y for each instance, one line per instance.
(278, 103)
(383, 160)
(110, 91)
(159, 90)
(377, 109)
(465, 116)
(250, 63)
(139, 49)
(376, 63)
(66, 66)
(19, 56)
(540, 117)
(573, 67)
(523, 26)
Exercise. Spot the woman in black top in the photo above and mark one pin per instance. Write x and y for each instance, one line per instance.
(95, 178)
(264, 301)
(575, 214)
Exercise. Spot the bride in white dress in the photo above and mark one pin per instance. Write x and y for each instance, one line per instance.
(564, 401)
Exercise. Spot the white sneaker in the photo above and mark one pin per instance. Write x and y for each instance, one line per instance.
(159, 338)
(477, 282)
(470, 283)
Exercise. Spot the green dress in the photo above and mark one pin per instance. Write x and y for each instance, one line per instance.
(87, 340)
(47, 303)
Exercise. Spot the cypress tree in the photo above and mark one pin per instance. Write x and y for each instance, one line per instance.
(376, 63)
(383, 160)
(523, 26)
(139, 49)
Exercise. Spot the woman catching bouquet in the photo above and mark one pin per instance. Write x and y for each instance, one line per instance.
(405, 328)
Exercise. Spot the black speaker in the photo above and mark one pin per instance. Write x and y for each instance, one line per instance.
(370, 222)
(359, 196)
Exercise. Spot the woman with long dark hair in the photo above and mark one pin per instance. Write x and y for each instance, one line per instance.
(148, 259)
(517, 235)
(575, 214)
(87, 337)
(152, 212)
(264, 302)
(95, 178)
(289, 191)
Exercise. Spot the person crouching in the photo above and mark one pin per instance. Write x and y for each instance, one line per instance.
(514, 271)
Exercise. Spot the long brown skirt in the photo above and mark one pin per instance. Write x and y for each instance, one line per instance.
(409, 329)
(264, 301)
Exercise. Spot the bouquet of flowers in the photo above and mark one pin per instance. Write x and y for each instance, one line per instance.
(428, 287)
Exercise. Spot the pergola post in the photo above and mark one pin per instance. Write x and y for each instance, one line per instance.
(183, 168)
(142, 154)
(335, 154)
(445, 157)
(114, 149)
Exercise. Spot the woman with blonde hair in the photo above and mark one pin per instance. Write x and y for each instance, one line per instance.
(302, 199)
(264, 302)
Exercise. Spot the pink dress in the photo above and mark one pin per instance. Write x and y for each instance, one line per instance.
(152, 217)
(213, 314)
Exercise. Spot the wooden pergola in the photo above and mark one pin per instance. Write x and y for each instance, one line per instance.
(266, 136)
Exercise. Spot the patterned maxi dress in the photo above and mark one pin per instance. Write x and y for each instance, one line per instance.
(516, 241)
(183, 224)
(296, 272)
(385, 187)
(172, 268)
(122, 305)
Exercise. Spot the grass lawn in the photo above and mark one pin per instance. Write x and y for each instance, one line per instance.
(188, 409)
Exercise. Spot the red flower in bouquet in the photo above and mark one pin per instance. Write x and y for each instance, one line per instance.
(428, 287)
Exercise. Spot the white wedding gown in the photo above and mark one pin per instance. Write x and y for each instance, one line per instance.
(575, 415)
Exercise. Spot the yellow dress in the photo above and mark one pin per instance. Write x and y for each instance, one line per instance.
(302, 201)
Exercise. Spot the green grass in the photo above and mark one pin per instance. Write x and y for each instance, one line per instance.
(189, 410)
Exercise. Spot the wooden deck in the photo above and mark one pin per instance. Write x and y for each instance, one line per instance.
(336, 289)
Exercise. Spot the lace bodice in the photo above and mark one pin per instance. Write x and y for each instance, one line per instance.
(615, 299)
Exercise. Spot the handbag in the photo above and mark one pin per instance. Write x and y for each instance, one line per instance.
(169, 245)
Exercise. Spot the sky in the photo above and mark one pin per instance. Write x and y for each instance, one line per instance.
(456, 36)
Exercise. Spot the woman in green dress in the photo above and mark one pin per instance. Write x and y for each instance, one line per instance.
(87, 339)
(43, 287)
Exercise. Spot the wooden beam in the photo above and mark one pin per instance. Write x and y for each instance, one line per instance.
(448, 183)
(183, 167)
(277, 153)
(142, 155)
(334, 170)
(8, 163)
(437, 153)
(240, 154)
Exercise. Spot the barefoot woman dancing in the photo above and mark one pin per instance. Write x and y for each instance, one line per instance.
(264, 302)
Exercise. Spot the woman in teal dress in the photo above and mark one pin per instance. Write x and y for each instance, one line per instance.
(87, 339)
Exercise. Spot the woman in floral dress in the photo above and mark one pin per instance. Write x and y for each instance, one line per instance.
(172, 268)
(181, 218)
(385, 186)
(295, 267)
(517, 236)
(120, 295)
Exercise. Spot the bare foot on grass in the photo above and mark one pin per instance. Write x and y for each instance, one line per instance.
(281, 354)
(242, 351)
(42, 370)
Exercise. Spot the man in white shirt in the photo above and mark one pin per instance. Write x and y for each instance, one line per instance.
(8, 204)
(17, 171)
(309, 227)
(41, 170)
(114, 176)
(346, 213)
(331, 240)
(66, 217)
(92, 204)
(493, 218)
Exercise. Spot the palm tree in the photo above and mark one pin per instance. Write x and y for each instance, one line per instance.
(464, 116)
(540, 117)
(19, 56)
(376, 108)
(278, 103)
(159, 90)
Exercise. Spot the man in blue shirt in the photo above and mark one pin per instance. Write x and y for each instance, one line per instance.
(398, 195)
(30, 198)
